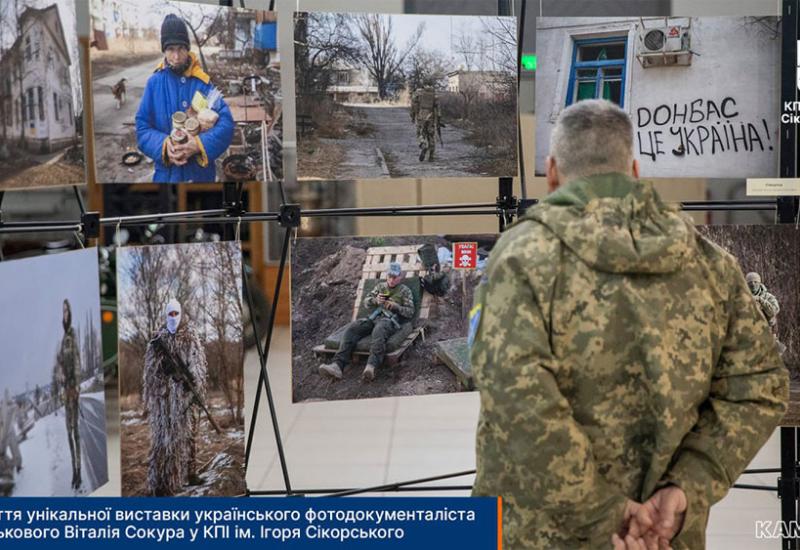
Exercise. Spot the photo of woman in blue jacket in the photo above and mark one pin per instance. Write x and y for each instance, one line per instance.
(171, 89)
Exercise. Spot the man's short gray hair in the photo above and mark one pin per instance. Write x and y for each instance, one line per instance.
(592, 137)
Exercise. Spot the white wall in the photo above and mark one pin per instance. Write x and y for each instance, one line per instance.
(737, 58)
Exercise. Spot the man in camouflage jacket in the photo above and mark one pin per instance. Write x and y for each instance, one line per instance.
(69, 367)
(391, 304)
(626, 374)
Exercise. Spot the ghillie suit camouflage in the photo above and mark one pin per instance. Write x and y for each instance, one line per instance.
(172, 413)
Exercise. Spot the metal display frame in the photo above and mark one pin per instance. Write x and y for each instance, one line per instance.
(506, 208)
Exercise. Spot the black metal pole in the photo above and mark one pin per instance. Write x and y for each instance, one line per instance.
(79, 197)
(304, 492)
(263, 378)
(522, 185)
(786, 211)
(395, 486)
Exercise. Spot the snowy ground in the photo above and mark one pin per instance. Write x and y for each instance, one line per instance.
(46, 463)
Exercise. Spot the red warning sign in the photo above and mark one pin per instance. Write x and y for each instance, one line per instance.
(465, 255)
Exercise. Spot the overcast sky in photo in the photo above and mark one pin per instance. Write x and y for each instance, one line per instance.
(66, 11)
(30, 312)
(441, 31)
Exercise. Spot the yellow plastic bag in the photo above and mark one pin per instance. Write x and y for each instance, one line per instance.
(199, 102)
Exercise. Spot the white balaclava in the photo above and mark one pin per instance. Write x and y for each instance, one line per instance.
(173, 322)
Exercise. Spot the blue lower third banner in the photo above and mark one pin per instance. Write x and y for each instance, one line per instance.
(52, 523)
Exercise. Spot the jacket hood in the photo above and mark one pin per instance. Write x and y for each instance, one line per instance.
(617, 224)
(195, 69)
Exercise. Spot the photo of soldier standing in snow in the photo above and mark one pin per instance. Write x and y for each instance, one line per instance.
(180, 154)
(52, 384)
(68, 366)
(173, 390)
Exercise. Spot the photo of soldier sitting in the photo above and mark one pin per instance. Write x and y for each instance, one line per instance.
(391, 304)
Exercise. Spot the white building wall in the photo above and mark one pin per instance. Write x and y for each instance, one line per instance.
(737, 64)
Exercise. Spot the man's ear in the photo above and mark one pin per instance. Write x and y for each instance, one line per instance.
(551, 171)
(635, 168)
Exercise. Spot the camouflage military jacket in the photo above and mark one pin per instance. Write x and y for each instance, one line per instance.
(400, 295)
(616, 351)
(69, 359)
(767, 302)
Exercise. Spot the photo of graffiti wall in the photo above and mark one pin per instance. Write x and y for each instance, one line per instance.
(703, 92)
(383, 316)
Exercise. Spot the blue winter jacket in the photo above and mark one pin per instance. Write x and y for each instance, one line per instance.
(165, 94)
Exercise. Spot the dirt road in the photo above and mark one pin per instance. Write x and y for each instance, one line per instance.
(114, 128)
(392, 150)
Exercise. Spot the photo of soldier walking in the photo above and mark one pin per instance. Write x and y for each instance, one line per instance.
(427, 117)
(359, 76)
(52, 383)
(181, 370)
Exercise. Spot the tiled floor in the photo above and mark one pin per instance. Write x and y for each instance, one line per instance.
(348, 444)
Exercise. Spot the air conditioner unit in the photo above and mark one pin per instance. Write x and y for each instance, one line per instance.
(665, 46)
(665, 39)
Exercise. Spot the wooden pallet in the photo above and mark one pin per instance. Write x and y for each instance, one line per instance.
(377, 262)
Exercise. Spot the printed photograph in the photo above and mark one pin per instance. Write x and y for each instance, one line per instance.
(703, 92)
(769, 256)
(181, 370)
(405, 96)
(383, 316)
(185, 92)
(52, 401)
(41, 102)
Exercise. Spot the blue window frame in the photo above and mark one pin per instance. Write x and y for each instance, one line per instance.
(598, 70)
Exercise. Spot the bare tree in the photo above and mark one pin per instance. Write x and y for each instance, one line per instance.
(380, 54)
(18, 60)
(502, 49)
(322, 41)
(223, 312)
(209, 23)
(425, 68)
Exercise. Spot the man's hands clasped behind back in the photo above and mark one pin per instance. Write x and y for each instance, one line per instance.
(653, 524)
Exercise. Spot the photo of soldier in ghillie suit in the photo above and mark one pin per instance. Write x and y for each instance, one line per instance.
(767, 304)
(181, 358)
(427, 117)
(380, 316)
(773, 277)
(52, 383)
(173, 391)
(68, 366)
